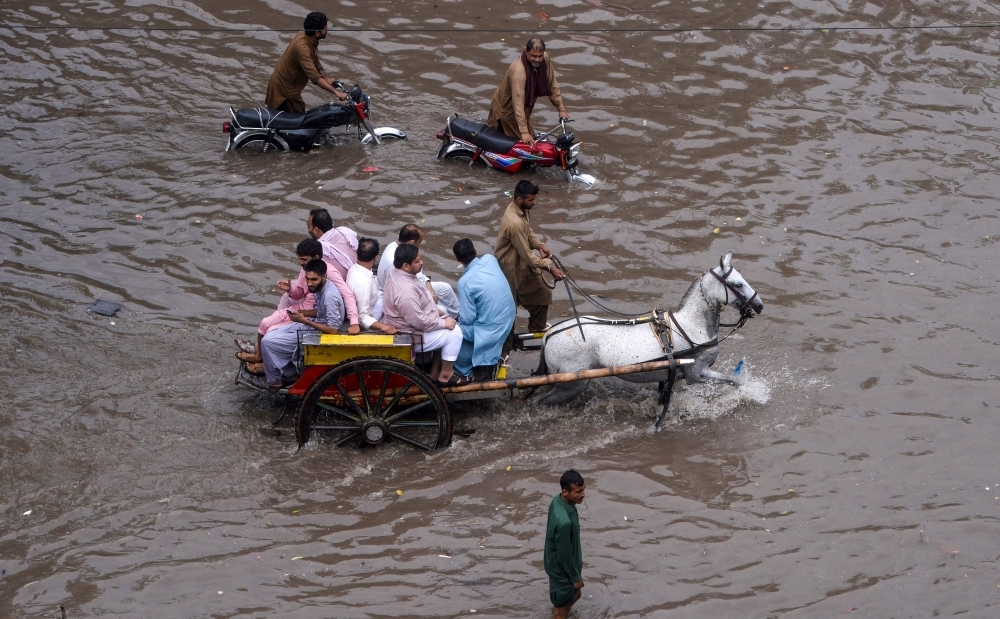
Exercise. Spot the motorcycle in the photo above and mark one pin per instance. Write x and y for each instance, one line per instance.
(480, 143)
(261, 129)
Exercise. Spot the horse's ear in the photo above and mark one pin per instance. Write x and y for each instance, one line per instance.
(726, 261)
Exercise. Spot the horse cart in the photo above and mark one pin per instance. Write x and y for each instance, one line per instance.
(368, 389)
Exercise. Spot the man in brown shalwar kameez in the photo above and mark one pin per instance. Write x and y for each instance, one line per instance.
(515, 251)
(298, 66)
(529, 77)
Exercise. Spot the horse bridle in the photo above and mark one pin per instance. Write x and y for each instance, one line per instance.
(724, 280)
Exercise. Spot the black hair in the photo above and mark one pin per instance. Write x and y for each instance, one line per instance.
(464, 251)
(367, 249)
(523, 189)
(316, 266)
(309, 247)
(534, 43)
(570, 478)
(410, 233)
(321, 219)
(405, 254)
(314, 22)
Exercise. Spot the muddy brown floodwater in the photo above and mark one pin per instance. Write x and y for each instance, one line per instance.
(853, 173)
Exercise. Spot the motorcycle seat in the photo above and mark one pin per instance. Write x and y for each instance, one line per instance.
(482, 135)
(263, 118)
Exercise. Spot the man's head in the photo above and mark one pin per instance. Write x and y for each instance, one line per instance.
(315, 274)
(525, 195)
(408, 259)
(535, 49)
(574, 491)
(307, 250)
(319, 222)
(367, 249)
(464, 251)
(411, 234)
(315, 25)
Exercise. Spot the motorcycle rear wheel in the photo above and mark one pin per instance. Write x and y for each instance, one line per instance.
(465, 156)
(259, 144)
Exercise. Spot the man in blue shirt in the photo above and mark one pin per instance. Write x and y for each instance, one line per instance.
(280, 345)
(486, 311)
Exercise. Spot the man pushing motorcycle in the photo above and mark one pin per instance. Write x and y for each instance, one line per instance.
(298, 66)
(529, 77)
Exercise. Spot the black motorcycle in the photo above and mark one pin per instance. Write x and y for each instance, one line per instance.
(261, 129)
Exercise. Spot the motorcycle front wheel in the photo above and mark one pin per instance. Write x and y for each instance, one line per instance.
(259, 144)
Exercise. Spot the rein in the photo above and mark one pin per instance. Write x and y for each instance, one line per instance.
(664, 319)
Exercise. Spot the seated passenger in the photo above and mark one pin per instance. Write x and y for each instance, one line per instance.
(296, 296)
(443, 294)
(487, 311)
(361, 281)
(339, 244)
(408, 306)
(279, 347)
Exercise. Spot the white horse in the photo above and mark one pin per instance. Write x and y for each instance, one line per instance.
(693, 329)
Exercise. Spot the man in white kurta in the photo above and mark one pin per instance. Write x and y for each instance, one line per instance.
(362, 283)
(411, 234)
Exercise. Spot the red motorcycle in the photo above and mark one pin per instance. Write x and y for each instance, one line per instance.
(479, 143)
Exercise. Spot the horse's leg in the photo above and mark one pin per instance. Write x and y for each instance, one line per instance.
(699, 371)
(563, 392)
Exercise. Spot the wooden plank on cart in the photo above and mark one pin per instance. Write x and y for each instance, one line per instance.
(334, 348)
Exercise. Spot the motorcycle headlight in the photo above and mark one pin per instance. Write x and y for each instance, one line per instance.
(574, 150)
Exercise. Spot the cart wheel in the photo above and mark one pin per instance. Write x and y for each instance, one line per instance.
(375, 400)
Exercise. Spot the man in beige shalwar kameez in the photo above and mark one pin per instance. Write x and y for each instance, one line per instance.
(515, 251)
(298, 66)
(529, 77)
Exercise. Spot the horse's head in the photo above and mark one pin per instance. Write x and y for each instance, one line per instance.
(732, 289)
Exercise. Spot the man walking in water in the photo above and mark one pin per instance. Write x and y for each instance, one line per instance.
(298, 66)
(529, 77)
(563, 552)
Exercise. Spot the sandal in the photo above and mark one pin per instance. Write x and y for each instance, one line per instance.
(246, 345)
(455, 380)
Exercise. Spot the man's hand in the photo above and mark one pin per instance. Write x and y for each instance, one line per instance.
(557, 273)
(578, 584)
(527, 139)
(284, 285)
(296, 317)
(384, 328)
(564, 114)
(354, 329)
(544, 251)
(449, 323)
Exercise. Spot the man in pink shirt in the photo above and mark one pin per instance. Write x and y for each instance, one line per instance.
(340, 245)
(297, 298)
(408, 306)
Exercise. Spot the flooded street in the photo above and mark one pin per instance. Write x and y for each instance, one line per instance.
(853, 172)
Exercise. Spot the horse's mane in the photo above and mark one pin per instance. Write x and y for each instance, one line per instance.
(690, 292)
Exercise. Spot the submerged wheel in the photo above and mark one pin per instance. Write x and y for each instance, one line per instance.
(375, 400)
(259, 144)
(463, 155)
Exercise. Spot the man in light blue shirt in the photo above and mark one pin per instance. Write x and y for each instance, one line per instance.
(486, 310)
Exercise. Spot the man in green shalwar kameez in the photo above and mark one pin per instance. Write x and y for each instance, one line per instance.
(563, 552)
